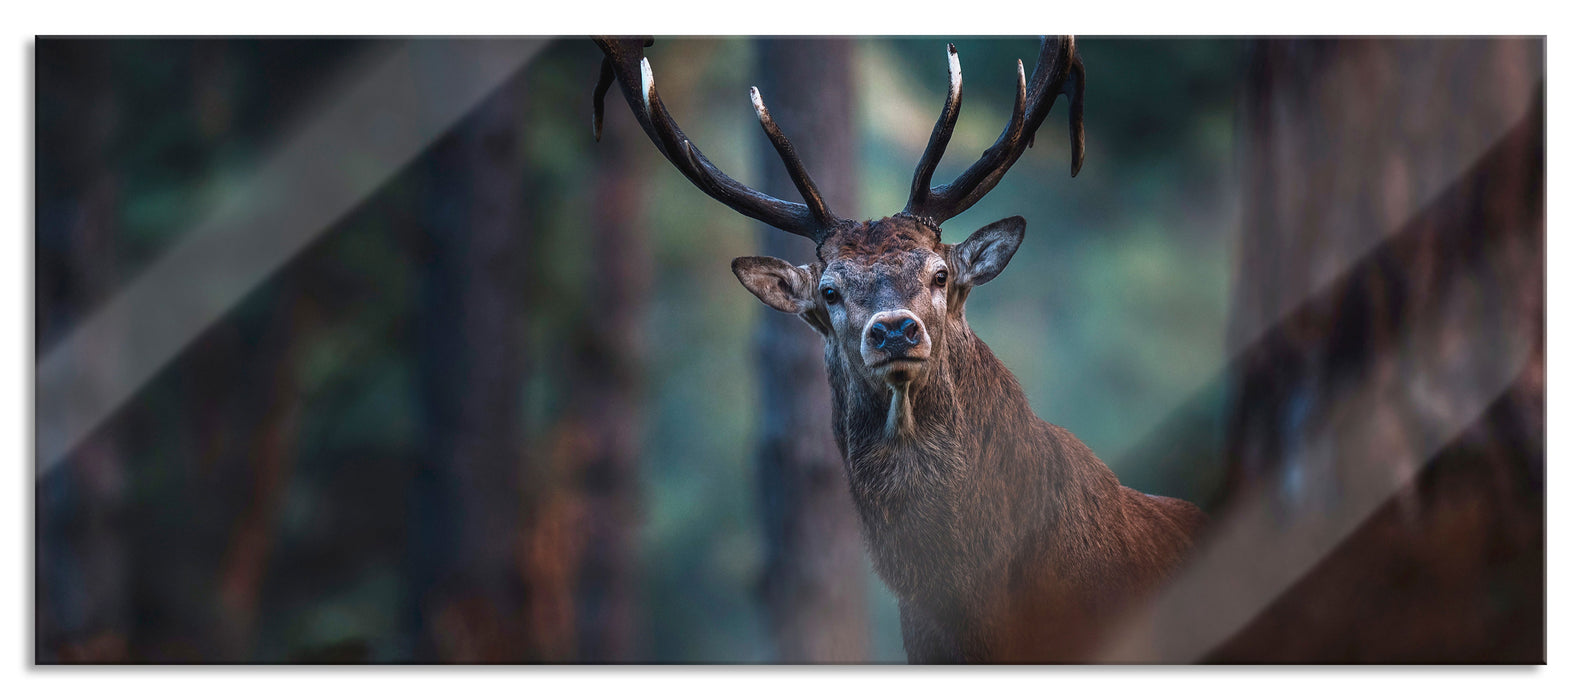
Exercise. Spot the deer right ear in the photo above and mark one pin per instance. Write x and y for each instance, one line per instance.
(775, 282)
(985, 253)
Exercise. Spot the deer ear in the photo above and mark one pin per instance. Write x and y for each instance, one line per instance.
(775, 282)
(985, 253)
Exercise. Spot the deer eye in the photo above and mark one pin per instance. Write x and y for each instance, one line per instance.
(941, 277)
(830, 295)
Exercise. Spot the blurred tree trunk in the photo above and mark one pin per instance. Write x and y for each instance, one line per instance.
(814, 582)
(270, 457)
(606, 397)
(1393, 213)
(582, 565)
(467, 523)
(81, 568)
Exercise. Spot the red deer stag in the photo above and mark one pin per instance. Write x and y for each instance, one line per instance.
(1004, 537)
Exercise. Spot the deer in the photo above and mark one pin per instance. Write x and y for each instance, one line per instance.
(1003, 537)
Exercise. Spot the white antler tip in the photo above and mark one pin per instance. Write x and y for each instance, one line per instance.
(955, 69)
(758, 102)
(648, 83)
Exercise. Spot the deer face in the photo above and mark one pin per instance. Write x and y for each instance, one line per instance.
(890, 297)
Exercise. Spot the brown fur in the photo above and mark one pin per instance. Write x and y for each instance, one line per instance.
(1004, 537)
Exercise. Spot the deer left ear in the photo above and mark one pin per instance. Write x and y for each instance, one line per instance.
(777, 283)
(987, 251)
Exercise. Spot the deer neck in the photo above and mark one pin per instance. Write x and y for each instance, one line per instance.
(920, 468)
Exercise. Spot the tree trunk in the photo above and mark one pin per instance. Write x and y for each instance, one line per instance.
(466, 526)
(605, 392)
(813, 584)
(1391, 263)
(82, 572)
(271, 458)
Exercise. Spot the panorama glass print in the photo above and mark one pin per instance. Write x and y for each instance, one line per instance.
(657, 350)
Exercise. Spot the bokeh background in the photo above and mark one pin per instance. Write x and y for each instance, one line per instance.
(514, 406)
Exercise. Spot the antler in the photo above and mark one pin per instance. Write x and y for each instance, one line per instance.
(1059, 71)
(625, 64)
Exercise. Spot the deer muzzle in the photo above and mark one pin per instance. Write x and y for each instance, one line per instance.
(896, 344)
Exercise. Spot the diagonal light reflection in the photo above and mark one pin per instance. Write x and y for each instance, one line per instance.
(385, 110)
(1370, 435)
(1264, 546)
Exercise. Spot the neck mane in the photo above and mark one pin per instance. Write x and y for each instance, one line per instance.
(949, 493)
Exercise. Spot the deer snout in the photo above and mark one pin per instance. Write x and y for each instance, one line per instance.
(894, 333)
(894, 336)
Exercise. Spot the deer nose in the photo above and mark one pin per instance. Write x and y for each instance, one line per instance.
(894, 332)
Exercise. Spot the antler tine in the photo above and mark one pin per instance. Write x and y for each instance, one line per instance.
(1059, 71)
(1013, 130)
(794, 168)
(632, 72)
(606, 77)
(922, 178)
(1073, 92)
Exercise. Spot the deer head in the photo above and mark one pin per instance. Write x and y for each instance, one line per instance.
(886, 294)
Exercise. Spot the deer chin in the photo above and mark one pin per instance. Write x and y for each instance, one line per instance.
(900, 376)
(898, 372)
